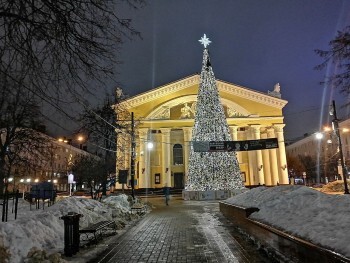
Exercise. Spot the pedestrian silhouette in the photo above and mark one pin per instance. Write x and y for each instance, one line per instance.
(166, 191)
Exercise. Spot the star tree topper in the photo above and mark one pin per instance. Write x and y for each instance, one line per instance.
(205, 41)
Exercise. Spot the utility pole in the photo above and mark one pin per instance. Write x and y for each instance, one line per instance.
(133, 155)
(336, 128)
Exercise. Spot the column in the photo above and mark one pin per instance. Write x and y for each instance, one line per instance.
(251, 159)
(187, 142)
(234, 136)
(142, 154)
(259, 159)
(166, 156)
(283, 171)
(273, 159)
(266, 161)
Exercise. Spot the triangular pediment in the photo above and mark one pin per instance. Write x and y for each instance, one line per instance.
(181, 95)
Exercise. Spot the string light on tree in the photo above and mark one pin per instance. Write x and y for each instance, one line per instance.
(211, 170)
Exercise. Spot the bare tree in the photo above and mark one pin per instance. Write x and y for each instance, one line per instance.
(20, 142)
(53, 52)
(101, 125)
(90, 170)
(339, 55)
(62, 46)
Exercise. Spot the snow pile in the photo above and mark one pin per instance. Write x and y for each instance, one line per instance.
(41, 232)
(335, 186)
(298, 210)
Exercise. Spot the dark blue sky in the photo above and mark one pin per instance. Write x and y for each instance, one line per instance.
(255, 43)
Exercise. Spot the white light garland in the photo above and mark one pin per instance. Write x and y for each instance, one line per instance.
(211, 170)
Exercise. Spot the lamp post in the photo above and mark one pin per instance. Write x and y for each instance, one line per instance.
(336, 129)
(133, 156)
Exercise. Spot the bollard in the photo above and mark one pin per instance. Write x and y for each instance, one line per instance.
(71, 233)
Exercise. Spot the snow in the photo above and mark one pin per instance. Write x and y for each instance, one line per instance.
(309, 214)
(42, 231)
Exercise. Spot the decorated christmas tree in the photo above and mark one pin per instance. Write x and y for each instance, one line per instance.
(211, 170)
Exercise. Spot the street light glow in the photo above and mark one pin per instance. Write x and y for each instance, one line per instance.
(327, 128)
(319, 135)
(150, 145)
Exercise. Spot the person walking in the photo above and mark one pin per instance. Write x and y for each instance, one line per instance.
(166, 191)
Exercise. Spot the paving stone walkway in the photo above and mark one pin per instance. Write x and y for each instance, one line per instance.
(184, 231)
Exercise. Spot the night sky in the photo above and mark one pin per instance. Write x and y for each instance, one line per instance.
(255, 44)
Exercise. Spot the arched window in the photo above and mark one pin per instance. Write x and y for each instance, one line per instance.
(178, 154)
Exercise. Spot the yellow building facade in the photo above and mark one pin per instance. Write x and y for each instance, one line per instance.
(165, 118)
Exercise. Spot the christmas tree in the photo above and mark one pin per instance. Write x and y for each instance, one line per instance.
(211, 170)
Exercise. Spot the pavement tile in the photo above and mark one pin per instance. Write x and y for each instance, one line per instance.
(184, 231)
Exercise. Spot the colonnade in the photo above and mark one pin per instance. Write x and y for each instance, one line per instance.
(264, 167)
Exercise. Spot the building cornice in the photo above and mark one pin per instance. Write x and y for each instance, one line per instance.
(249, 94)
(161, 92)
(184, 83)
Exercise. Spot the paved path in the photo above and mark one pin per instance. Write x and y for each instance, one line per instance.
(184, 231)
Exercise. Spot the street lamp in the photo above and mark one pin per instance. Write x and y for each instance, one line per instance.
(133, 156)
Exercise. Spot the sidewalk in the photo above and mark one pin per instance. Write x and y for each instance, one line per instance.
(184, 231)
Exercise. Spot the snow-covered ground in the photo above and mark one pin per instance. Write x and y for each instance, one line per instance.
(312, 215)
(307, 213)
(41, 232)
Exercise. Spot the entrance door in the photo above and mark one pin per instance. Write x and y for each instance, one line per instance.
(179, 180)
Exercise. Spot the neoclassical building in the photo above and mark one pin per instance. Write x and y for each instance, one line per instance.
(165, 117)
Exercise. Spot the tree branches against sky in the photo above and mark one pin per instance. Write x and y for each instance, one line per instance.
(62, 47)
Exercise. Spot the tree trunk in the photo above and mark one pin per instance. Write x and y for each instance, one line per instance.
(2, 177)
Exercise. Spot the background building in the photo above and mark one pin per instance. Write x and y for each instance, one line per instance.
(165, 118)
(319, 152)
(51, 162)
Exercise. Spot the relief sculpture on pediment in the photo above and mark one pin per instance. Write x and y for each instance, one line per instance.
(231, 112)
(163, 114)
(188, 112)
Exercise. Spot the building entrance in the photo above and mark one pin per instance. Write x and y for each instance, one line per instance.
(179, 180)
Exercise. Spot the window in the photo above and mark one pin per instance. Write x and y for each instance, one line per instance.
(157, 179)
(177, 154)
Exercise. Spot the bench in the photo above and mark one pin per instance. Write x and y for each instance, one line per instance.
(96, 231)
